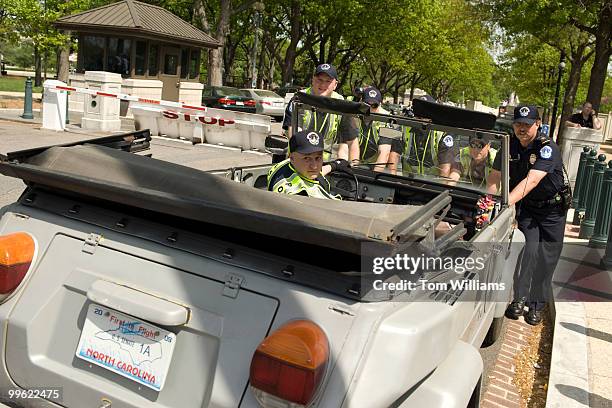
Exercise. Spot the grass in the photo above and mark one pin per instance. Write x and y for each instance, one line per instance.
(16, 84)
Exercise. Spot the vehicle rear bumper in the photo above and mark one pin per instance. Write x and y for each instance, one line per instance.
(272, 111)
(451, 384)
(246, 109)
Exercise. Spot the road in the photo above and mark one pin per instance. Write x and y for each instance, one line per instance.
(18, 136)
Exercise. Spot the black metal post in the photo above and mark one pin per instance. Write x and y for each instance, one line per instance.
(587, 226)
(599, 238)
(553, 122)
(27, 102)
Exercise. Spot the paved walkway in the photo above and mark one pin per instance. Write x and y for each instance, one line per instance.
(581, 368)
(581, 361)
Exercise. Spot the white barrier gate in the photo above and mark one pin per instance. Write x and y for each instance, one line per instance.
(198, 124)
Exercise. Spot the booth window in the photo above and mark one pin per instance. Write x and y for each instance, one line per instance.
(194, 64)
(153, 60)
(140, 66)
(170, 64)
(184, 62)
(93, 53)
(118, 57)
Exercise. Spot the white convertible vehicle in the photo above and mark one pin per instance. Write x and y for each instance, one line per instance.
(130, 282)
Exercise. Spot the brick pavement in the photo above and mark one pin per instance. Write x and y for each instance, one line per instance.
(502, 390)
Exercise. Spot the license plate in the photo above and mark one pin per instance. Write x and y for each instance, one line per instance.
(239, 103)
(278, 104)
(126, 346)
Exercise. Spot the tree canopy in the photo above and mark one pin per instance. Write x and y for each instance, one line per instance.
(446, 47)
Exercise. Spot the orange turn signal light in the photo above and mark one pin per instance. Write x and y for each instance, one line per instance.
(16, 254)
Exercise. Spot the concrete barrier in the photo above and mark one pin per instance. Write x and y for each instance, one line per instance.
(54, 106)
(214, 126)
(574, 139)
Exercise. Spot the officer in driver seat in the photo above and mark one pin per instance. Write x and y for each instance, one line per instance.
(303, 172)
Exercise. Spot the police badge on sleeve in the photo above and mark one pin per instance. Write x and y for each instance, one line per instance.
(546, 152)
(448, 141)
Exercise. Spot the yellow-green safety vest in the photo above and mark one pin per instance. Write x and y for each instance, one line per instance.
(332, 130)
(466, 164)
(410, 142)
(296, 183)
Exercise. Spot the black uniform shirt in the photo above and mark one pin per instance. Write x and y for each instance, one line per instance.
(541, 154)
(578, 118)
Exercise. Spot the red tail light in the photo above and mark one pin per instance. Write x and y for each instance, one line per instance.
(266, 103)
(250, 102)
(16, 254)
(226, 101)
(290, 364)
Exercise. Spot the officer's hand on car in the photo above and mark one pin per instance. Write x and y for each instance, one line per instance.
(340, 165)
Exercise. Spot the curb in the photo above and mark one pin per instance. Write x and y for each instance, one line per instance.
(15, 118)
(568, 383)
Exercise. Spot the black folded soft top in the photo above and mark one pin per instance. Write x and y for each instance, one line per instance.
(167, 188)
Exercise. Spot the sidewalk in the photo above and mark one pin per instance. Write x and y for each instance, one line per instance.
(19, 95)
(581, 365)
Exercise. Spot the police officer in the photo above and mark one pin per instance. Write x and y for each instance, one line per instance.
(302, 173)
(428, 152)
(324, 83)
(373, 148)
(538, 189)
(475, 162)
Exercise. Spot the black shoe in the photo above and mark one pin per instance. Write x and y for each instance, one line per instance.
(516, 309)
(534, 317)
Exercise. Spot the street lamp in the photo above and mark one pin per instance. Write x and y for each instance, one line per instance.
(258, 8)
(553, 123)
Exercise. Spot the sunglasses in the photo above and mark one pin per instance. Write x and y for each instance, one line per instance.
(477, 145)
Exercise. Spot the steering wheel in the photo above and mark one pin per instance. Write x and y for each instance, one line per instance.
(345, 192)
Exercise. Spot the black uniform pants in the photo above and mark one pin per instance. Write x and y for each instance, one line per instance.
(544, 229)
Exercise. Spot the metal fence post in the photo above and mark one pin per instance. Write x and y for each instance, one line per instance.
(606, 261)
(580, 176)
(588, 223)
(604, 213)
(67, 109)
(584, 189)
(27, 103)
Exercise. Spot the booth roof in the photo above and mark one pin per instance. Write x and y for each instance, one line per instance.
(139, 19)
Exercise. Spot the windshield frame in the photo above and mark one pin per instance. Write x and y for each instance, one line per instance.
(362, 110)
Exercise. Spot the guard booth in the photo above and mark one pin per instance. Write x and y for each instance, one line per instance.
(141, 42)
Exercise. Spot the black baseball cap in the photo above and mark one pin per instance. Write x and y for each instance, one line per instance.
(428, 98)
(305, 142)
(327, 69)
(526, 114)
(372, 96)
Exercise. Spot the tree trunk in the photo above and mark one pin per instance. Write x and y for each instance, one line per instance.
(271, 73)
(63, 64)
(577, 59)
(215, 56)
(603, 51)
(260, 70)
(291, 53)
(37, 67)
